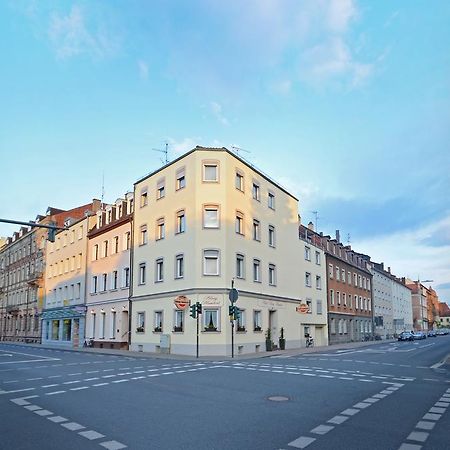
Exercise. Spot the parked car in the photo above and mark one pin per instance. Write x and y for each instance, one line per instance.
(418, 335)
(442, 331)
(432, 333)
(405, 336)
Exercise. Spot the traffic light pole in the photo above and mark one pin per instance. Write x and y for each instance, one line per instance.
(197, 333)
(232, 326)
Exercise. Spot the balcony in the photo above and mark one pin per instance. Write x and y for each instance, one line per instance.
(33, 278)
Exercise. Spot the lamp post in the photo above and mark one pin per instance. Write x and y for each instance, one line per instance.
(419, 291)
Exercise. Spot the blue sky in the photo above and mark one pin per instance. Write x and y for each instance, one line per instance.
(346, 103)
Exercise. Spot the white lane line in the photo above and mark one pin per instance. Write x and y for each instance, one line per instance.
(72, 426)
(43, 412)
(17, 390)
(32, 407)
(55, 393)
(302, 442)
(419, 436)
(322, 429)
(424, 425)
(338, 419)
(100, 384)
(113, 445)
(57, 419)
(80, 388)
(91, 435)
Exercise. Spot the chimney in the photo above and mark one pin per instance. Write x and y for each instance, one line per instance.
(338, 237)
(389, 269)
(311, 226)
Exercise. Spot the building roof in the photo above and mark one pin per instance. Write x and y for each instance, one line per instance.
(219, 149)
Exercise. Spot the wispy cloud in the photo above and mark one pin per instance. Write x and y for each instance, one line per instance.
(178, 147)
(71, 36)
(143, 69)
(216, 109)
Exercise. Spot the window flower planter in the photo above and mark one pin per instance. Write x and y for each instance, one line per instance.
(140, 329)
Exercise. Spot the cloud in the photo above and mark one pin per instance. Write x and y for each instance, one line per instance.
(216, 109)
(410, 255)
(143, 69)
(188, 143)
(71, 36)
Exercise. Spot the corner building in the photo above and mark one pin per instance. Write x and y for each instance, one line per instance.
(199, 222)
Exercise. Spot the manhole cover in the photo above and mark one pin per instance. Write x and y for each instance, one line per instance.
(278, 398)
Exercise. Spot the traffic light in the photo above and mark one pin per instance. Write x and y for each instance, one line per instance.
(51, 234)
(231, 311)
(237, 313)
(193, 311)
(199, 307)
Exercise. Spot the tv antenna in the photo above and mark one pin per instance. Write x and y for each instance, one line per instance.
(239, 149)
(165, 151)
(316, 215)
(103, 188)
(348, 239)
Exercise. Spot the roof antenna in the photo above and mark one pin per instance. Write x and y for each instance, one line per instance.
(348, 239)
(103, 189)
(238, 149)
(166, 151)
(316, 215)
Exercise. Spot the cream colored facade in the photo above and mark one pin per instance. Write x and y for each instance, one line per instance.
(200, 222)
(65, 276)
(108, 275)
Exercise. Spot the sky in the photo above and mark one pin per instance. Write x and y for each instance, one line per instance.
(346, 103)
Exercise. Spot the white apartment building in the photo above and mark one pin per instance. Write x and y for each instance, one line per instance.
(200, 222)
(109, 275)
(63, 319)
(402, 306)
(383, 301)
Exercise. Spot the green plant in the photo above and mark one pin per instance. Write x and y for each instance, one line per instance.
(282, 333)
(269, 334)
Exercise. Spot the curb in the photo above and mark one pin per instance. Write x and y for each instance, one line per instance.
(134, 354)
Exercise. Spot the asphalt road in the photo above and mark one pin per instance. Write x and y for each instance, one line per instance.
(385, 396)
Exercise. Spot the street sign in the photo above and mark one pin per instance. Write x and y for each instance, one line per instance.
(233, 295)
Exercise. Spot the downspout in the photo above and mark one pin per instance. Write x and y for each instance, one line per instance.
(130, 289)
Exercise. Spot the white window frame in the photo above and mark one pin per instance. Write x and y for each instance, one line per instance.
(272, 275)
(159, 270)
(211, 254)
(179, 266)
(213, 225)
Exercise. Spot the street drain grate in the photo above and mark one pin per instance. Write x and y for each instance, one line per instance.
(278, 398)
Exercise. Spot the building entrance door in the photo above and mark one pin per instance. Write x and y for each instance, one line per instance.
(273, 326)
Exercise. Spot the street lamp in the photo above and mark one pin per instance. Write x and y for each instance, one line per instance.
(419, 291)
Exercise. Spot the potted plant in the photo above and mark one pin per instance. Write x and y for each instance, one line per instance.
(269, 343)
(139, 329)
(282, 340)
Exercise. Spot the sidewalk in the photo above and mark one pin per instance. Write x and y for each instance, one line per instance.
(292, 352)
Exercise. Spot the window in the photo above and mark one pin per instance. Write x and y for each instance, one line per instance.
(333, 326)
(368, 284)
(179, 266)
(78, 291)
(271, 200)
(94, 285)
(369, 304)
(307, 253)
(256, 191)
(210, 262)
(349, 278)
(102, 325)
(364, 282)
(140, 322)
(160, 229)
(318, 282)
(159, 274)
(239, 181)
(80, 232)
(319, 306)
(127, 241)
(143, 238)
(338, 297)
(239, 224)
(257, 321)
(142, 273)
(331, 297)
(241, 321)
(161, 189)
(210, 318)
(330, 270)
(309, 305)
(180, 181)
(144, 199)
(113, 324)
(210, 172)
(355, 279)
(158, 324)
(180, 222)
(116, 244)
(256, 230)
(240, 266)
(105, 282)
(356, 302)
(211, 217)
(95, 253)
(307, 279)
(349, 300)
(114, 279)
(360, 281)
(318, 258)
(344, 298)
(257, 270)
(178, 323)
(105, 249)
(337, 274)
(343, 275)
(271, 236)
(272, 275)
(126, 277)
